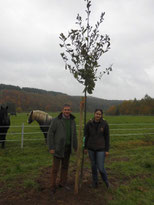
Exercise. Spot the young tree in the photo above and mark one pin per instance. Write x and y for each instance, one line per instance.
(83, 48)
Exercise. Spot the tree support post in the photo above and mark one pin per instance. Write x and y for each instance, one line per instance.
(79, 151)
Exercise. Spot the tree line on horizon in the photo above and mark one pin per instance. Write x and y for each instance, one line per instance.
(145, 106)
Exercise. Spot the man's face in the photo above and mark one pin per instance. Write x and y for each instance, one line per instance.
(66, 111)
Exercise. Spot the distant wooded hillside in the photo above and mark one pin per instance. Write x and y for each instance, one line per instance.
(144, 106)
(26, 99)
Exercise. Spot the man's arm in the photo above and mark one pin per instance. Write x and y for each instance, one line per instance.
(75, 141)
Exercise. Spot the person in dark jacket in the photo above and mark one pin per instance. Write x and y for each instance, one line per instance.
(61, 139)
(97, 144)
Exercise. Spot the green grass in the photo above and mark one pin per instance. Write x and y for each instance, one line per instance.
(130, 165)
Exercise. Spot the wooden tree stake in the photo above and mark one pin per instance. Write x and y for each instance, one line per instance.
(79, 151)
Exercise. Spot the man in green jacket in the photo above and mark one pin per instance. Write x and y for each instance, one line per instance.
(61, 139)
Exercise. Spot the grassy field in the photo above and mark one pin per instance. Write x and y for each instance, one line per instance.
(130, 165)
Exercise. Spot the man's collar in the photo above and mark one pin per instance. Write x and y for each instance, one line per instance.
(65, 117)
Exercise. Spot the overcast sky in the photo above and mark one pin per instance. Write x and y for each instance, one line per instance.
(30, 51)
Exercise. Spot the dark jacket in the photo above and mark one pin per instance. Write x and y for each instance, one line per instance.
(97, 136)
(56, 137)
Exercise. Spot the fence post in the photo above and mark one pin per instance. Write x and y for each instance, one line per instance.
(22, 136)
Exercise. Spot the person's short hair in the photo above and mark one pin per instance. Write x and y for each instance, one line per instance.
(66, 105)
(99, 110)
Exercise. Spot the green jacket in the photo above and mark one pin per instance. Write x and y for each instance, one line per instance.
(56, 137)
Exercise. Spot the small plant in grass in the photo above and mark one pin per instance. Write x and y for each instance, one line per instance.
(148, 138)
(30, 184)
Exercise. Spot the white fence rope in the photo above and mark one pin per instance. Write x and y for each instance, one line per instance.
(147, 133)
(134, 124)
(136, 129)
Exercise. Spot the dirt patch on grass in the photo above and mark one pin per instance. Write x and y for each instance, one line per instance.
(133, 143)
(117, 159)
(42, 195)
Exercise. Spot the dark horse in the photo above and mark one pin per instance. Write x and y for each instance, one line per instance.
(4, 124)
(43, 118)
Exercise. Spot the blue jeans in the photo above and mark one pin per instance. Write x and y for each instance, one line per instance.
(97, 159)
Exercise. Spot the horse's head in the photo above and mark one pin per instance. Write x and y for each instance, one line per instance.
(4, 117)
(30, 118)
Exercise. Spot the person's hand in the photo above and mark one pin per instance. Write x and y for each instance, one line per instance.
(52, 151)
(85, 151)
(106, 154)
(75, 150)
